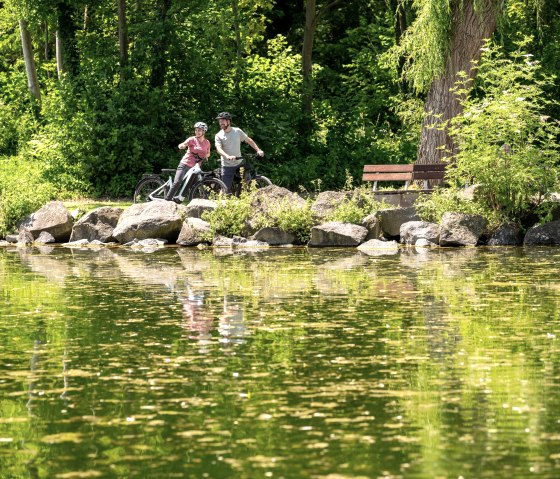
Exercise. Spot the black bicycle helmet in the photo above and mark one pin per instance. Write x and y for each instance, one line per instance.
(224, 115)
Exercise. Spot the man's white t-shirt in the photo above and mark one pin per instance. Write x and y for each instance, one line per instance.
(230, 142)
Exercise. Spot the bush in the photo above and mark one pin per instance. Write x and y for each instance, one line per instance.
(506, 146)
(22, 191)
(230, 216)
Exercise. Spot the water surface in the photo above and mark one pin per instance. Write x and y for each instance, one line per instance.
(285, 363)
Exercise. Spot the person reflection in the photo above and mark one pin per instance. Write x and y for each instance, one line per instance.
(231, 325)
(196, 320)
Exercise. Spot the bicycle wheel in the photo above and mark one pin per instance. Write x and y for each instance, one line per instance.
(146, 186)
(261, 181)
(208, 188)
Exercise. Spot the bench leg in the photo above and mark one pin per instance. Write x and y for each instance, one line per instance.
(374, 185)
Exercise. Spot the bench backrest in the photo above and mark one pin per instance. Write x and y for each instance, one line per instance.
(406, 173)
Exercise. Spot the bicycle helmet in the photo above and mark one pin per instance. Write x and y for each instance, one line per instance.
(224, 115)
(201, 125)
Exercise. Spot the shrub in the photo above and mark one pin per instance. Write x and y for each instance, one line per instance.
(506, 146)
(230, 216)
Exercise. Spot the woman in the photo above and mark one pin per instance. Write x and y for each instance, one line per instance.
(197, 147)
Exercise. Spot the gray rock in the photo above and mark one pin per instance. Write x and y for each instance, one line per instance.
(25, 236)
(392, 219)
(81, 242)
(97, 224)
(506, 235)
(252, 244)
(198, 206)
(45, 238)
(423, 243)
(337, 234)
(327, 201)
(274, 236)
(12, 238)
(412, 231)
(547, 234)
(194, 232)
(372, 224)
(156, 219)
(53, 218)
(460, 229)
(222, 241)
(375, 247)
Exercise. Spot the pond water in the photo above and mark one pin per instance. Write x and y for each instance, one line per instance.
(285, 363)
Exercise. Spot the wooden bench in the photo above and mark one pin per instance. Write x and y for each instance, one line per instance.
(406, 173)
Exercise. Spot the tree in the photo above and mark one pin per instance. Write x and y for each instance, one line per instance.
(312, 18)
(31, 71)
(445, 39)
(123, 37)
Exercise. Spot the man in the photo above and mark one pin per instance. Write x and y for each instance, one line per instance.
(228, 145)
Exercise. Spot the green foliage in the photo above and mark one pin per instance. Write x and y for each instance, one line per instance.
(230, 216)
(292, 217)
(22, 191)
(356, 207)
(506, 145)
(432, 207)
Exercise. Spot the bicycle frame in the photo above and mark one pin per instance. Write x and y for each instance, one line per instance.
(159, 193)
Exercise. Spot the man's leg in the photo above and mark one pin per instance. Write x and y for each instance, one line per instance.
(228, 172)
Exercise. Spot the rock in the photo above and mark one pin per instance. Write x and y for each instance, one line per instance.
(372, 224)
(97, 224)
(337, 234)
(155, 219)
(274, 236)
(392, 219)
(45, 238)
(12, 238)
(222, 241)
(81, 242)
(194, 232)
(327, 201)
(375, 247)
(252, 244)
(412, 231)
(547, 234)
(506, 235)
(198, 206)
(24, 236)
(461, 229)
(53, 218)
(423, 243)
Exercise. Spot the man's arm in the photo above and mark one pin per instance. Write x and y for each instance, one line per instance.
(253, 145)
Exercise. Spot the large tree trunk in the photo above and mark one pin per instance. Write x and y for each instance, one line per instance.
(30, 70)
(123, 37)
(471, 28)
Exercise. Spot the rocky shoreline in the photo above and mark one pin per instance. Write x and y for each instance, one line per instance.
(163, 222)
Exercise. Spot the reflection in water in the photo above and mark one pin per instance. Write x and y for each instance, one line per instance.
(279, 363)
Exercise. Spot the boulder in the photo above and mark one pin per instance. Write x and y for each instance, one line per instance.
(547, 234)
(412, 231)
(12, 238)
(461, 229)
(97, 225)
(194, 232)
(376, 247)
(45, 238)
(506, 235)
(392, 219)
(423, 243)
(337, 234)
(327, 201)
(274, 236)
(53, 218)
(156, 219)
(372, 224)
(198, 206)
(24, 236)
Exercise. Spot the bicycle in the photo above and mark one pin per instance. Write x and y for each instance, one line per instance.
(250, 176)
(154, 188)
